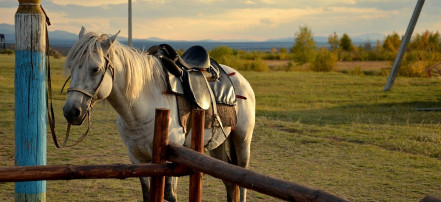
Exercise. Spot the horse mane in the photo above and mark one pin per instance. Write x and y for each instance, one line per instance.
(142, 70)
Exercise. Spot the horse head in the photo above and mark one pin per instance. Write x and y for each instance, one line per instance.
(91, 73)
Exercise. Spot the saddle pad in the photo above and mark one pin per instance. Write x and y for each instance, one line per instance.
(223, 87)
(227, 114)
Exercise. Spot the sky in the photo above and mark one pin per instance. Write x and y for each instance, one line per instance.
(234, 19)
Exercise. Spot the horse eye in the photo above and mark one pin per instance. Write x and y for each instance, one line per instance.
(95, 70)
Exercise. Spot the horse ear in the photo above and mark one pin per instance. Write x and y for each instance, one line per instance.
(107, 43)
(113, 38)
(82, 32)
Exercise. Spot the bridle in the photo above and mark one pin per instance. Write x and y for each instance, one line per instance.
(93, 99)
(93, 96)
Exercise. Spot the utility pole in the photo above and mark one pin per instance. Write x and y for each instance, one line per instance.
(403, 47)
(130, 24)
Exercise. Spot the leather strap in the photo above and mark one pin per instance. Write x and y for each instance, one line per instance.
(219, 122)
(49, 101)
(81, 91)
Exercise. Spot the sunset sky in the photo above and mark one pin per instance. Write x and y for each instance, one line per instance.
(234, 19)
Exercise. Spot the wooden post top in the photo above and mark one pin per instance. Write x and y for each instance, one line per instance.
(29, 7)
(29, 1)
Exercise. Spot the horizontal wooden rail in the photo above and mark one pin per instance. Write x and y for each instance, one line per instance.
(264, 184)
(68, 172)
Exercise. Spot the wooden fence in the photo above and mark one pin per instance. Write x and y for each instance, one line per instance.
(184, 162)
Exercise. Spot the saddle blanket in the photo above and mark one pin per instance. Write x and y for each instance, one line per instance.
(227, 113)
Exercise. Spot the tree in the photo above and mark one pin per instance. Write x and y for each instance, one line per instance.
(392, 42)
(304, 48)
(379, 47)
(346, 43)
(333, 42)
(427, 41)
(367, 45)
(324, 61)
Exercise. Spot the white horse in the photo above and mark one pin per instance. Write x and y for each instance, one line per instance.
(134, 84)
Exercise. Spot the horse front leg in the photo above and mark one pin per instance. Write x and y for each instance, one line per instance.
(171, 185)
(171, 191)
(145, 185)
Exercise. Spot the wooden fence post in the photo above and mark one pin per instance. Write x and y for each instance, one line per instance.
(160, 142)
(30, 95)
(197, 144)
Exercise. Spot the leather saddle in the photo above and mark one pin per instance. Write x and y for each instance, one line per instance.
(189, 74)
(195, 57)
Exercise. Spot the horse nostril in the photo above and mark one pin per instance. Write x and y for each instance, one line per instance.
(73, 113)
(76, 112)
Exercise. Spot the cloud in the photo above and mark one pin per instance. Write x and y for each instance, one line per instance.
(87, 3)
(8, 4)
(7, 15)
(234, 19)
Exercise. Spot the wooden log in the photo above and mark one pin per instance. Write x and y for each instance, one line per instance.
(264, 184)
(30, 95)
(160, 141)
(70, 172)
(430, 199)
(197, 144)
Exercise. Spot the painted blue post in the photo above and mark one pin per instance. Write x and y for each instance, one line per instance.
(30, 96)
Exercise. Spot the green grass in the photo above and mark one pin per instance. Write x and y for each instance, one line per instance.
(330, 131)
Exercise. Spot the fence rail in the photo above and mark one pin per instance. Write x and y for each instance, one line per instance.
(70, 172)
(185, 162)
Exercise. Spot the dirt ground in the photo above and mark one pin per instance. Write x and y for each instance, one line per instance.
(364, 65)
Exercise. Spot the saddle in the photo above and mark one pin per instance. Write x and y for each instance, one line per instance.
(201, 81)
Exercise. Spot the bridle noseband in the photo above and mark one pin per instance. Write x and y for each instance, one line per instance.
(94, 99)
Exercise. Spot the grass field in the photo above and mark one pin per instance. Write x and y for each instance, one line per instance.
(336, 132)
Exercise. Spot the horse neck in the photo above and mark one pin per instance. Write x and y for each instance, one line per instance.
(139, 110)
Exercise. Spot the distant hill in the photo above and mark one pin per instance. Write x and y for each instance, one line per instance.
(8, 31)
(63, 40)
(56, 37)
(58, 34)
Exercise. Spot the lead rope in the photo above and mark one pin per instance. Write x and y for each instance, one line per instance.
(49, 101)
(109, 66)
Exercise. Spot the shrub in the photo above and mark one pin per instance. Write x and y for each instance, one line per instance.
(291, 66)
(55, 53)
(414, 68)
(356, 71)
(7, 51)
(324, 61)
(232, 61)
(258, 65)
(416, 62)
(220, 51)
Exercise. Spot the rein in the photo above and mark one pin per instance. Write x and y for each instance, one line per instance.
(94, 99)
(49, 102)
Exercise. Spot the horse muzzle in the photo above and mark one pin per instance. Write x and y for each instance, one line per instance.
(75, 113)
